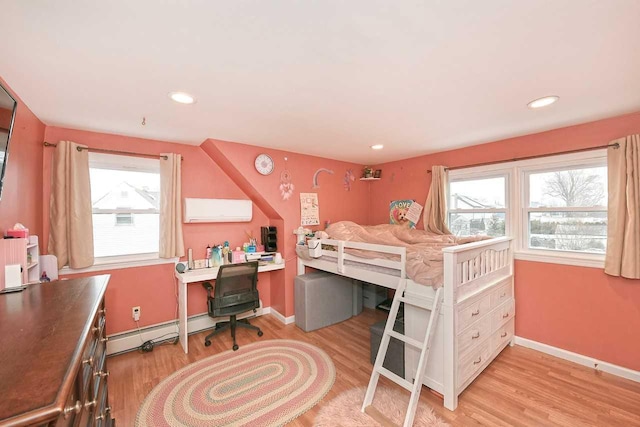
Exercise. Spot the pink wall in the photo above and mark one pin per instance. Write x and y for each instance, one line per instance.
(578, 309)
(153, 287)
(335, 202)
(22, 190)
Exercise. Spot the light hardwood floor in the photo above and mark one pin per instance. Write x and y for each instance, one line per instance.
(522, 387)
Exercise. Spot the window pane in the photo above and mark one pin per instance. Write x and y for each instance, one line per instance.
(568, 231)
(125, 211)
(477, 194)
(471, 224)
(585, 187)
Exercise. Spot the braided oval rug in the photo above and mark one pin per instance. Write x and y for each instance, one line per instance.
(266, 383)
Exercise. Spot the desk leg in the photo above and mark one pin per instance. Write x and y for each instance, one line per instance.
(182, 315)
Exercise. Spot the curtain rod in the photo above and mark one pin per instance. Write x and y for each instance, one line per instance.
(615, 145)
(101, 150)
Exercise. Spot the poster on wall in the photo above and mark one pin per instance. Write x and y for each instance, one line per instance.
(309, 210)
(399, 213)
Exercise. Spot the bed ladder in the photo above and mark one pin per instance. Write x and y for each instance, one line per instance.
(416, 387)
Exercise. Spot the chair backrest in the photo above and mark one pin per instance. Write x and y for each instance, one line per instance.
(236, 289)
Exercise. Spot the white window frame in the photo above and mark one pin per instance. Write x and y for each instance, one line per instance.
(517, 185)
(469, 175)
(125, 163)
(591, 159)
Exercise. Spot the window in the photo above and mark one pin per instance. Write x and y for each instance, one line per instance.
(478, 206)
(554, 207)
(125, 195)
(124, 219)
(566, 209)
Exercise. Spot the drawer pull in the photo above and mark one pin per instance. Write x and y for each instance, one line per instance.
(90, 404)
(504, 334)
(100, 417)
(476, 335)
(475, 362)
(75, 408)
(102, 374)
(104, 339)
(504, 316)
(504, 294)
(103, 311)
(475, 313)
(88, 361)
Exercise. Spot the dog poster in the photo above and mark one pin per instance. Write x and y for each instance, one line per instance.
(398, 210)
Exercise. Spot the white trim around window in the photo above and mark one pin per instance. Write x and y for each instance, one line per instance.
(517, 185)
(120, 262)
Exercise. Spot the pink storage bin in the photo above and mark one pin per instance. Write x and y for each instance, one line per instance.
(24, 234)
(238, 256)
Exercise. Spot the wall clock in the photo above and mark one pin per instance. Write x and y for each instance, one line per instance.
(264, 164)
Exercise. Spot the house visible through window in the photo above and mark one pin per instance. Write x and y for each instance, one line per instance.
(125, 195)
(478, 206)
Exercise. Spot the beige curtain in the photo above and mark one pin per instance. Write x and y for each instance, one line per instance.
(435, 209)
(171, 242)
(623, 229)
(70, 214)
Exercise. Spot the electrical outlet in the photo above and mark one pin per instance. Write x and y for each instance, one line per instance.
(135, 313)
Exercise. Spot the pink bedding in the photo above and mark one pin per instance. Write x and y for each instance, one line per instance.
(424, 249)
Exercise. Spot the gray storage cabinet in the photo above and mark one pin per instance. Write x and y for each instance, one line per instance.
(322, 299)
(394, 360)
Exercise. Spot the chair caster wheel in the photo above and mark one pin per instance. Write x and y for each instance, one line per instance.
(235, 347)
(260, 333)
(207, 343)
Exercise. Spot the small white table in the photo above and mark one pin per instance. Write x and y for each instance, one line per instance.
(200, 275)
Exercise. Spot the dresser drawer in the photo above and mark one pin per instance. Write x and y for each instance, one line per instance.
(503, 335)
(474, 335)
(502, 314)
(473, 361)
(470, 313)
(502, 294)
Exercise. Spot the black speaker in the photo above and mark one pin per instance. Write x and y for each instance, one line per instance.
(269, 238)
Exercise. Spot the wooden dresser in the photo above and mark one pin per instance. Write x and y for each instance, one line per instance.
(53, 368)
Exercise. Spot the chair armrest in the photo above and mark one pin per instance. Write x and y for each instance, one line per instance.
(208, 286)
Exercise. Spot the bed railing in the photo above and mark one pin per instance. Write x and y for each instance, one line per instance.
(470, 267)
(467, 268)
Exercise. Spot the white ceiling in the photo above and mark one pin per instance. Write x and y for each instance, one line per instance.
(327, 78)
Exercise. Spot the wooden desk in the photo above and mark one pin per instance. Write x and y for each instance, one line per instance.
(194, 276)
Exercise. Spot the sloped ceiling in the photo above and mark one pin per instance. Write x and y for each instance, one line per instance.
(327, 78)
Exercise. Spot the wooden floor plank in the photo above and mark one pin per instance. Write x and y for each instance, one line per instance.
(522, 387)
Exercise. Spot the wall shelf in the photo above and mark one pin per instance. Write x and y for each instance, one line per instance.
(370, 179)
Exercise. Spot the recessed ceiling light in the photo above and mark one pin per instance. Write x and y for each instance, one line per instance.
(182, 97)
(543, 102)
(377, 147)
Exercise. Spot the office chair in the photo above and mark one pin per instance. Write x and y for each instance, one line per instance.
(235, 292)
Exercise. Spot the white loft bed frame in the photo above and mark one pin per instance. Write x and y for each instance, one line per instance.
(476, 319)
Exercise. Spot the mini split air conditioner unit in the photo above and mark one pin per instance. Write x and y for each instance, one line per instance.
(217, 210)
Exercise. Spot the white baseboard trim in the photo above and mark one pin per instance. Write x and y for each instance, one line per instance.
(281, 318)
(131, 340)
(587, 361)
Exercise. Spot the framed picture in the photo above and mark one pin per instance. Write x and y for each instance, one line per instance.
(377, 173)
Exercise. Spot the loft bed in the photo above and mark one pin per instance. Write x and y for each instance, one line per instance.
(476, 321)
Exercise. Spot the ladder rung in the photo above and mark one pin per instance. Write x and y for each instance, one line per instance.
(412, 342)
(420, 303)
(395, 378)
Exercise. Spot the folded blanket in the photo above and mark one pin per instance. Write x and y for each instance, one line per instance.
(424, 249)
